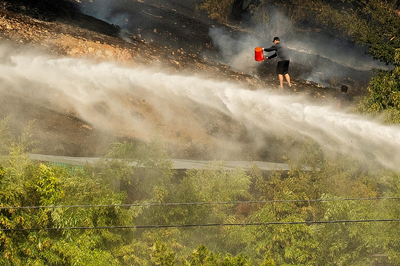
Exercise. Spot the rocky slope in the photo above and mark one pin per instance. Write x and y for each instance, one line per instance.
(62, 30)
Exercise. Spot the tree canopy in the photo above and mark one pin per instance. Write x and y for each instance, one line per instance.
(110, 213)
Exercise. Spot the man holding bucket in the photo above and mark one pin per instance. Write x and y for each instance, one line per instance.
(282, 69)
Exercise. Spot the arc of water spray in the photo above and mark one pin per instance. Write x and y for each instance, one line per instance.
(83, 83)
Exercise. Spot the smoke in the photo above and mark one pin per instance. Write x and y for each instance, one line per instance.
(315, 56)
(321, 56)
(142, 102)
(105, 10)
(118, 12)
(236, 51)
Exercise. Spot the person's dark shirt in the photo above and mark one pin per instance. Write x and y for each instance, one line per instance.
(280, 52)
(345, 100)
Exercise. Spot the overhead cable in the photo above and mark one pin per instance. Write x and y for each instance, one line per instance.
(197, 225)
(191, 203)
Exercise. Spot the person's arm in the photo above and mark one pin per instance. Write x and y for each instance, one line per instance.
(270, 49)
(272, 56)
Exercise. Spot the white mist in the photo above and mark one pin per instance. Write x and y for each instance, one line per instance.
(141, 102)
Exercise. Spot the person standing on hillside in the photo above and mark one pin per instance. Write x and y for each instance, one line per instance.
(344, 99)
(282, 69)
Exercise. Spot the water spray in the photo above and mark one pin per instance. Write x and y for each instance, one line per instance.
(138, 100)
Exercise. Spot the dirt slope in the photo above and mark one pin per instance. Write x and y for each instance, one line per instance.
(62, 30)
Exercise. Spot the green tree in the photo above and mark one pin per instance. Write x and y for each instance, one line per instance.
(50, 215)
(29, 225)
(384, 94)
(5, 136)
(162, 256)
(203, 257)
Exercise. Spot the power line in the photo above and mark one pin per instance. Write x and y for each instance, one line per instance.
(191, 203)
(197, 225)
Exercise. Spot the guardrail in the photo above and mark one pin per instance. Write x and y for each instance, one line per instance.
(178, 164)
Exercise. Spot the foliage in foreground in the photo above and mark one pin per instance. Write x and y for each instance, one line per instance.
(115, 214)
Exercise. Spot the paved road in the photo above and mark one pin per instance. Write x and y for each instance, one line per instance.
(177, 163)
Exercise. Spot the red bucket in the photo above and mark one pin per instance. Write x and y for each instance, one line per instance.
(259, 54)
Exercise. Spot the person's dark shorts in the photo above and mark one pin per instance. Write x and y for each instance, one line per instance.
(283, 67)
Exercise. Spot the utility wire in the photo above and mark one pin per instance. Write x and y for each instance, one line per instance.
(191, 203)
(198, 225)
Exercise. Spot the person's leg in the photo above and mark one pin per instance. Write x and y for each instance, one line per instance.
(287, 77)
(280, 76)
(280, 72)
(286, 72)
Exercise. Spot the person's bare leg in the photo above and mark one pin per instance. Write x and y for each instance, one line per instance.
(288, 79)
(280, 80)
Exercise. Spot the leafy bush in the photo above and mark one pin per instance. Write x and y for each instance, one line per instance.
(384, 94)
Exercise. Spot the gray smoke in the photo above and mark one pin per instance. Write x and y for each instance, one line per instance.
(326, 57)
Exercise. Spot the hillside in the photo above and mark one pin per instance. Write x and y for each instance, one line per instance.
(63, 31)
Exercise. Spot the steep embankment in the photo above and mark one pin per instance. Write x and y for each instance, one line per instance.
(63, 31)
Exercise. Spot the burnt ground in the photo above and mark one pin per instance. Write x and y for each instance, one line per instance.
(176, 44)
